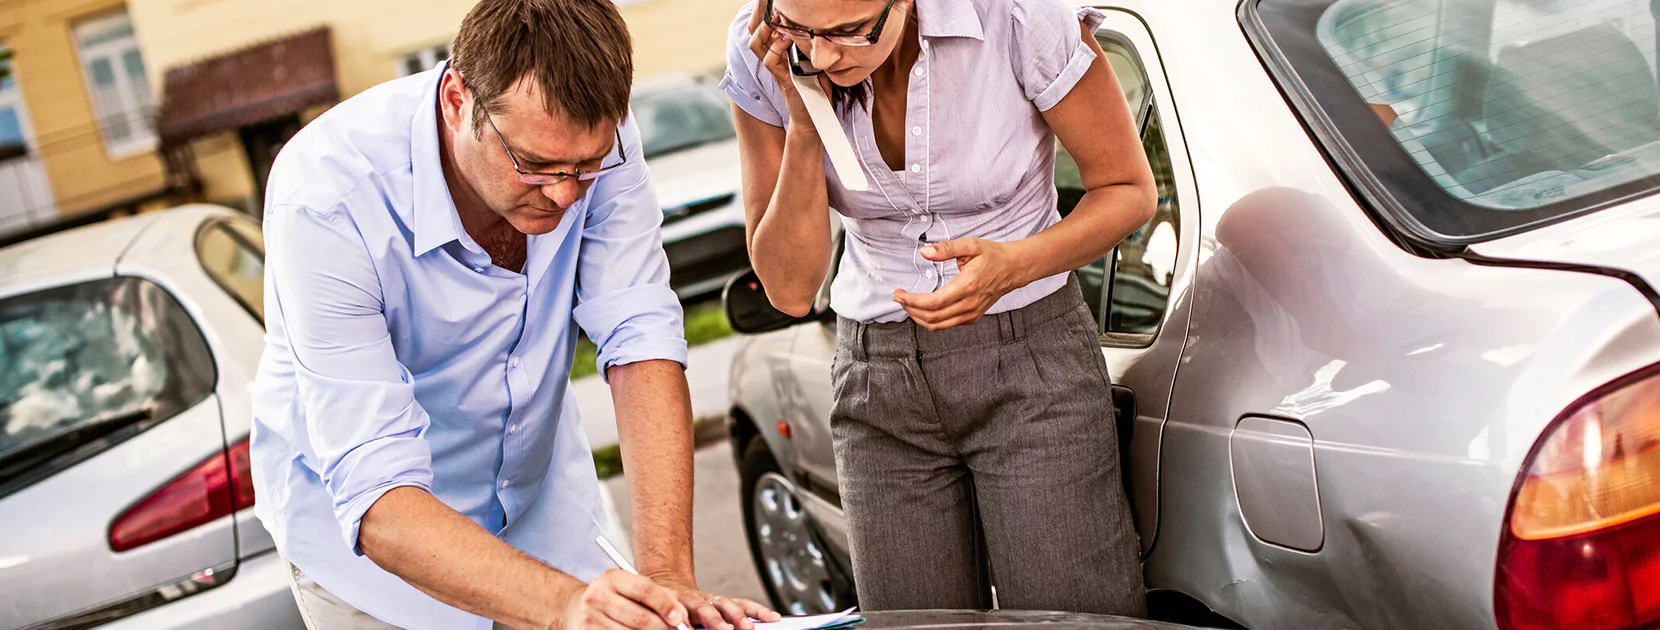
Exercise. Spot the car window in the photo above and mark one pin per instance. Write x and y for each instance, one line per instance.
(77, 355)
(233, 253)
(1483, 117)
(681, 118)
(1129, 296)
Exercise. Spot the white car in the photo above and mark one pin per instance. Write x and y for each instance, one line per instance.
(692, 150)
(127, 350)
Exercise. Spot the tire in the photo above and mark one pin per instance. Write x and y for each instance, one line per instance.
(800, 574)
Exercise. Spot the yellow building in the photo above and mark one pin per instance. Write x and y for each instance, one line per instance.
(77, 135)
(229, 67)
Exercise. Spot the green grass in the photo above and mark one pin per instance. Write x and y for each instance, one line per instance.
(705, 431)
(705, 322)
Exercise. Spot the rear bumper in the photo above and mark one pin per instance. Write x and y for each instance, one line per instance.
(256, 598)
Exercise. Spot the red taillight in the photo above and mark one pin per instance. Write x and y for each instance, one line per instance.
(217, 487)
(1581, 542)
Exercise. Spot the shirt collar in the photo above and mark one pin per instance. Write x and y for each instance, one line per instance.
(948, 18)
(435, 222)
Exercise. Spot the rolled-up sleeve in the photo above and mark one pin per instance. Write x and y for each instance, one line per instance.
(363, 426)
(1048, 52)
(624, 302)
(749, 84)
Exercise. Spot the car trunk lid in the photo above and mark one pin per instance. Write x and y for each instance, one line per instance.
(1623, 242)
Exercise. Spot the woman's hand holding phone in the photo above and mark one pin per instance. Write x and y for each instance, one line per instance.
(773, 49)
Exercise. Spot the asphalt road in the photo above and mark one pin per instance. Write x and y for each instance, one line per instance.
(720, 553)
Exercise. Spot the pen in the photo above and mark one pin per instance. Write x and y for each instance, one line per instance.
(623, 563)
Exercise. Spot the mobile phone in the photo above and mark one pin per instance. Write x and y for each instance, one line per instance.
(800, 64)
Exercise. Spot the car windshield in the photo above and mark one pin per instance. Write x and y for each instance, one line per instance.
(680, 118)
(1484, 117)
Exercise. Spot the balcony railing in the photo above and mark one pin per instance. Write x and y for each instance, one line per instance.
(71, 177)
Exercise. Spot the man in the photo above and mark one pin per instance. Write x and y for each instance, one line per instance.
(430, 243)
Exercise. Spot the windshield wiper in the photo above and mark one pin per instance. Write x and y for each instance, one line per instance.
(19, 461)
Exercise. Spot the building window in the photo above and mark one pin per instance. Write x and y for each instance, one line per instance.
(422, 60)
(11, 120)
(121, 97)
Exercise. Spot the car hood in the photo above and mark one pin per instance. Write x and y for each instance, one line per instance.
(696, 174)
(1004, 619)
(1625, 239)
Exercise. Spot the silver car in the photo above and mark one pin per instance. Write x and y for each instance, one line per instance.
(1388, 355)
(126, 354)
(691, 148)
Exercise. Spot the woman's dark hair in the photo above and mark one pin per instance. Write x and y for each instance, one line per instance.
(844, 98)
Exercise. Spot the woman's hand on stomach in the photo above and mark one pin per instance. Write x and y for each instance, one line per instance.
(986, 271)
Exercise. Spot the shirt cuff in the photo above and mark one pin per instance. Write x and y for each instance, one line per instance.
(410, 456)
(640, 323)
(1076, 65)
(753, 103)
(1051, 96)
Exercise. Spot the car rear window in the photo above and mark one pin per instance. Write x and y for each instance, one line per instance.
(82, 354)
(1478, 118)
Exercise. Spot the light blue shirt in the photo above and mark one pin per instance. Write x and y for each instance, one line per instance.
(397, 355)
(979, 156)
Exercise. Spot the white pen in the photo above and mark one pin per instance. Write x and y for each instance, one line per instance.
(623, 563)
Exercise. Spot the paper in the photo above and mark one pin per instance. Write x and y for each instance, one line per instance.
(812, 622)
(830, 133)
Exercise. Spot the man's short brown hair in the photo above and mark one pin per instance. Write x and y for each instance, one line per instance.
(578, 52)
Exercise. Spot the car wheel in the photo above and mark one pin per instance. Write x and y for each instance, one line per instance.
(796, 568)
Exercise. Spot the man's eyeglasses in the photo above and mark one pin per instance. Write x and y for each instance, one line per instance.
(535, 178)
(804, 36)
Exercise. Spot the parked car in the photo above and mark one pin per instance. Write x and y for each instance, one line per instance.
(128, 348)
(1388, 354)
(692, 150)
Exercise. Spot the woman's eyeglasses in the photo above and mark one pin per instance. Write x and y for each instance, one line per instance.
(535, 178)
(804, 36)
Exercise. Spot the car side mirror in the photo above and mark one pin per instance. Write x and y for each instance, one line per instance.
(750, 312)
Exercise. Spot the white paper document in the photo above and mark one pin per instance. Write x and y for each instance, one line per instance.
(810, 622)
(830, 133)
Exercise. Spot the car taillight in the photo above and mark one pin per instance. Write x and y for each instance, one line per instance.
(217, 487)
(1581, 543)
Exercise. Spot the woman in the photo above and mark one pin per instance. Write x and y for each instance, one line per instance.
(970, 390)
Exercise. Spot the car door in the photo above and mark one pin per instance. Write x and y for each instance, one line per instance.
(811, 453)
(112, 453)
(1135, 291)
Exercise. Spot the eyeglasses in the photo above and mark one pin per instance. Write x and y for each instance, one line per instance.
(804, 36)
(534, 178)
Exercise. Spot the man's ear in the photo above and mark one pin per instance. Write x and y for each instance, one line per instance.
(452, 99)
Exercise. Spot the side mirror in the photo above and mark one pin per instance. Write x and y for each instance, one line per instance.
(750, 312)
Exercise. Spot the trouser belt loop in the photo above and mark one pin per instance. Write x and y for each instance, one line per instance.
(861, 341)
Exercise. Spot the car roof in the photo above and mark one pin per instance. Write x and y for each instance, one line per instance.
(96, 249)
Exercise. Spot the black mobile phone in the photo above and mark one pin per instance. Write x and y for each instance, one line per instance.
(800, 64)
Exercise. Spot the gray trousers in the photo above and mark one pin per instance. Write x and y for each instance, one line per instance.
(1004, 427)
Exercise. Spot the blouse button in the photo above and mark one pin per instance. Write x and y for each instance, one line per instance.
(916, 168)
(916, 131)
